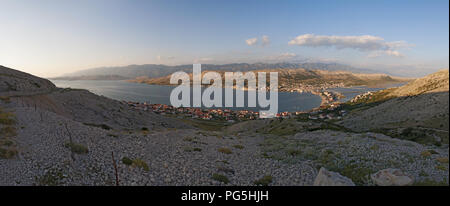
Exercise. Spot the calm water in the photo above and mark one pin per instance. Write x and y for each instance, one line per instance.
(158, 94)
(351, 92)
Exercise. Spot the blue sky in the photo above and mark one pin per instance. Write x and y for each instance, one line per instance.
(50, 37)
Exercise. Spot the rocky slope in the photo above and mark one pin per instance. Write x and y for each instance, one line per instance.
(418, 110)
(59, 136)
(290, 78)
(14, 83)
(158, 70)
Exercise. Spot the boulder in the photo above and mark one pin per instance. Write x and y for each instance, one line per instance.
(391, 177)
(328, 178)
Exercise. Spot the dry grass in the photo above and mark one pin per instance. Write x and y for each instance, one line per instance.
(225, 150)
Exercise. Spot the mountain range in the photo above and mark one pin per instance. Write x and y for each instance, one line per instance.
(158, 70)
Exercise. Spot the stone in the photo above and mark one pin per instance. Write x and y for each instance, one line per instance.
(391, 177)
(328, 178)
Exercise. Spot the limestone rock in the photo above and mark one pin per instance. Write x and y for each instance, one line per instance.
(391, 177)
(328, 178)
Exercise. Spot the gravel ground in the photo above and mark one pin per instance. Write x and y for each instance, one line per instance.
(172, 156)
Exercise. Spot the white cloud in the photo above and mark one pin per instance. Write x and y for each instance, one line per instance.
(162, 58)
(366, 43)
(203, 60)
(265, 40)
(288, 55)
(281, 57)
(387, 52)
(254, 41)
(251, 41)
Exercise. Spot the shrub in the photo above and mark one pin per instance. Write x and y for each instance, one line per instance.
(238, 146)
(220, 178)
(5, 99)
(6, 142)
(429, 182)
(76, 148)
(294, 152)
(6, 118)
(425, 153)
(53, 177)
(7, 153)
(442, 160)
(141, 164)
(264, 181)
(225, 150)
(375, 147)
(8, 131)
(441, 167)
(127, 161)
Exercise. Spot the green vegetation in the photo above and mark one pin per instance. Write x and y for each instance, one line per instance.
(6, 142)
(190, 149)
(141, 164)
(359, 174)
(208, 125)
(7, 118)
(127, 161)
(8, 131)
(5, 99)
(420, 135)
(103, 126)
(238, 146)
(135, 163)
(425, 154)
(220, 178)
(429, 182)
(441, 167)
(443, 160)
(264, 181)
(375, 147)
(76, 148)
(7, 153)
(53, 177)
(225, 150)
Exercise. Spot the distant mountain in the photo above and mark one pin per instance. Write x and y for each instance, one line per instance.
(296, 78)
(92, 77)
(158, 70)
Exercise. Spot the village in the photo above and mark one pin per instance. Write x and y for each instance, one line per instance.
(330, 110)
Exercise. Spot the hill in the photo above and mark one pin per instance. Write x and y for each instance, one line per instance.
(155, 70)
(298, 78)
(418, 110)
(55, 136)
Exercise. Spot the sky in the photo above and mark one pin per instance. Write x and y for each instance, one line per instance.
(53, 37)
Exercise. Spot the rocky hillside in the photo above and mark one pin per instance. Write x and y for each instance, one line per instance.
(417, 111)
(24, 90)
(58, 136)
(158, 70)
(289, 78)
(17, 83)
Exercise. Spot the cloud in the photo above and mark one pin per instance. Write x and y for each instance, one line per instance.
(265, 40)
(161, 58)
(366, 43)
(288, 55)
(281, 57)
(203, 60)
(254, 41)
(387, 52)
(251, 41)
